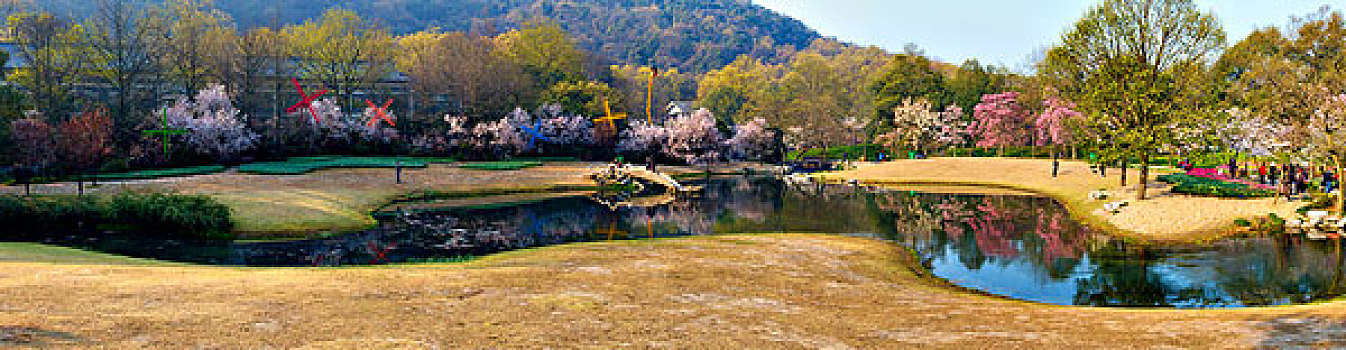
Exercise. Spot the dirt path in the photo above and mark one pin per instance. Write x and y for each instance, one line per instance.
(775, 291)
(1166, 217)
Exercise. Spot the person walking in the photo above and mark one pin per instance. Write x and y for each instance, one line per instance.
(1056, 167)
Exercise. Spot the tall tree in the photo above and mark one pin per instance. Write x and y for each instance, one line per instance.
(343, 52)
(467, 70)
(124, 41)
(1153, 40)
(909, 75)
(55, 60)
(545, 51)
(83, 142)
(198, 40)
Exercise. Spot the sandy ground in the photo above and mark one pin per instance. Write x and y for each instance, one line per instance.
(755, 292)
(1163, 217)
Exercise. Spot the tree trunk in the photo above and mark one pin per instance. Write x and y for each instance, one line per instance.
(1341, 195)
(1123, 168)
(1144, 173)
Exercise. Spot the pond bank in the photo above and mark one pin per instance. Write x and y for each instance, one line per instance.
(1165, 218)
(755, 291)
(336, 201)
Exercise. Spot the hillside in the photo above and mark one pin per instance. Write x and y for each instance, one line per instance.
(692, 35)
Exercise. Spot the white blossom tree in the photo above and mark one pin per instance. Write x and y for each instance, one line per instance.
(752, 140)
(216, 130)
(915, 124)
(1326, 132)
(694, 138)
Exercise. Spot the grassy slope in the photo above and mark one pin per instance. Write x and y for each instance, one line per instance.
(759, 291)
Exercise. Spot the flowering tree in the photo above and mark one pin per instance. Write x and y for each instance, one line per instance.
(1053, 125)
(215, 129)
(563, 129)
(952, 129)
(914, 124)
(644, 138)
(33, 143)
(1001, 121)
(1326, 133)
(83, 141)
(753, 140)
(694, 138)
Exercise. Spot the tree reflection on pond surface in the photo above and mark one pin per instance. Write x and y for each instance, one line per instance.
(1022, 247)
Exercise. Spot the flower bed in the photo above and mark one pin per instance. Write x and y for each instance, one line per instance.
(1209, 186)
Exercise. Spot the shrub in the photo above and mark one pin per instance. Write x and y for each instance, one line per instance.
(160, 213)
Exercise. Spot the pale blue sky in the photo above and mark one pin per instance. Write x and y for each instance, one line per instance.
(1004, 32)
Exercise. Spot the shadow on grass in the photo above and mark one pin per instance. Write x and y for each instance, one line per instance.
(1304, 332)
(30, 336)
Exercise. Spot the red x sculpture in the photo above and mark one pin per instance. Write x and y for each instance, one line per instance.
(379, 113)
(307, 102)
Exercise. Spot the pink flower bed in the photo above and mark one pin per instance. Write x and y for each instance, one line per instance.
(1214, 173)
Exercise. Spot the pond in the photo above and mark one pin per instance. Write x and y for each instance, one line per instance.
(1021, 247)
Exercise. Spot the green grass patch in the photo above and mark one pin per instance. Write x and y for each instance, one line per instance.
(161, 173)
(501, 166)
(304, 165)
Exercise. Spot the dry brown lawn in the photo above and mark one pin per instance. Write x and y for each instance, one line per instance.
(755, 292)
(1165, 217)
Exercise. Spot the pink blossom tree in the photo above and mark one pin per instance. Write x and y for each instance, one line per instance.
(694, 138)
(1002, 121)
(752, 140)
(1326, 133)
(952, 129)
(1053, 125)
(643, 138)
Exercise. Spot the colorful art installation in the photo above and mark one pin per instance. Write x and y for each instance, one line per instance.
(306, 102)
(380, 113)
(165, 132)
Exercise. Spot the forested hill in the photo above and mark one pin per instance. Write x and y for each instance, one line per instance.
(692, 35)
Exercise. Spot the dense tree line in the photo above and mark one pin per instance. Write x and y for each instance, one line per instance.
(691, 35)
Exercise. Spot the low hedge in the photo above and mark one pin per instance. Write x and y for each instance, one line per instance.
(1202, 186)
(160, 173)
(500, 166)
(304, 165)
(159, 213)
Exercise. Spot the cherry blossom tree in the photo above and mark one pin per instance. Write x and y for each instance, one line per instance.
(1054, 124)
(953, 129)
(643, 138)
(216, 130)
(1326, 133)
(1001, 121)
(752, 140)
(694, 138)
(915, 124)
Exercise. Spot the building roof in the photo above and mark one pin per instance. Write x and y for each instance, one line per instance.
(680, 107)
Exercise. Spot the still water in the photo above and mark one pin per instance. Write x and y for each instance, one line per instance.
(1021, 247)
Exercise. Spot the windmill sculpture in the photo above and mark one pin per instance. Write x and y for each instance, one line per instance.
(611, 120)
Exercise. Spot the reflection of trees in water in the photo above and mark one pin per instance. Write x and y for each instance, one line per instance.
(982, 229)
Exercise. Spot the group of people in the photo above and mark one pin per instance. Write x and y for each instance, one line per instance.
(1294, 178)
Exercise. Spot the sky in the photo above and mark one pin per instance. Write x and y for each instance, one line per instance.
(1002, 32)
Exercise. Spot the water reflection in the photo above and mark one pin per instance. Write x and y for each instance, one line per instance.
(1018, 246)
